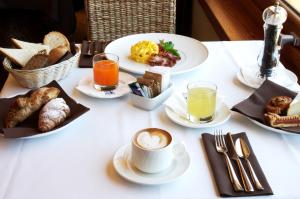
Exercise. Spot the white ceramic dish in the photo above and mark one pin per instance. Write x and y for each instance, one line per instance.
(55, 131)
(271, 128)
(222, 115)
(193, 53)
(290, 74)
(122, 164)
(86, 86)
(150, 103)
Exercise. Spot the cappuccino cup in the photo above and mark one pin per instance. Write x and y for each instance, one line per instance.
(152, 150)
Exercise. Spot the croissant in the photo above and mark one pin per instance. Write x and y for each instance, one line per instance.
(23, 107)
(52, 114)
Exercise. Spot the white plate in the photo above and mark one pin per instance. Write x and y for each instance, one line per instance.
(271, 128)
(222, 115)
(122, 164)
(192, 52)
(86, 86)
(289, 73)
(46, 133)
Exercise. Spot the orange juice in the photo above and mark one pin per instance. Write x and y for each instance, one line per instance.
(106, 73)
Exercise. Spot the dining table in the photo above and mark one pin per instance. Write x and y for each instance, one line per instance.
(77, 162)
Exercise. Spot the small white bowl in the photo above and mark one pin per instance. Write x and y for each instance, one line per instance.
(151, 103)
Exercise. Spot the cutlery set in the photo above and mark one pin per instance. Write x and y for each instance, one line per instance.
(240, 150)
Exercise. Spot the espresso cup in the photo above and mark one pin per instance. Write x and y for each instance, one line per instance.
(152, 150)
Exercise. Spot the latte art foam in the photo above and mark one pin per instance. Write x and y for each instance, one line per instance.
(152, 140)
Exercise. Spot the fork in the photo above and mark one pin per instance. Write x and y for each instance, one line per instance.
(222, 148)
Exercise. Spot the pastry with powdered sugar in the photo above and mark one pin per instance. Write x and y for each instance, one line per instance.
(53, 114)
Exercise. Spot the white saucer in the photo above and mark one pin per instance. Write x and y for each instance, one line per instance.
(86, 86)
(289, 74)
(124, 167)
(222, 115)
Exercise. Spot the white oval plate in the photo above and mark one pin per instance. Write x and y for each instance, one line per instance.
(122, 164)
(57, 130)
(289, 73)
(86, 86)
(271, 128)
(222, 115)
(192, 52)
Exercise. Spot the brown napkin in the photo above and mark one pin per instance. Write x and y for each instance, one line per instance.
(29, 126)
(254, 106)
(85, 60)
(219, 169)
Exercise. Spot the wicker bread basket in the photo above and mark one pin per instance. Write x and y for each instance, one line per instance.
(40, 77)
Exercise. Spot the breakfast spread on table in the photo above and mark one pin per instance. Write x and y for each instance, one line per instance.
(148, 52)
(152, 151)
(30, 56)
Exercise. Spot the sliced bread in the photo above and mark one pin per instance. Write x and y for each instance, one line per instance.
(54, 39)
(18, 56)
(28, 45)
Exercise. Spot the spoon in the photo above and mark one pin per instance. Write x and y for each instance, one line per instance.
(243, 151)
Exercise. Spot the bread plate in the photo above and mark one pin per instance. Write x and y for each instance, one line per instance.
(276, 130)
(29, 127)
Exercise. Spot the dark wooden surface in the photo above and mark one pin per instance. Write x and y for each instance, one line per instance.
(242, 20)
(184, 17)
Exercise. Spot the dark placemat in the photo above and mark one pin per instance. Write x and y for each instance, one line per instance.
(29, 126)
(218, 165)
(254, 106)
(88, 50)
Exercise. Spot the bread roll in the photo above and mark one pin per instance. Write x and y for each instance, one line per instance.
(52, 114)
(56, 54)
(55, 39)
(23, 107)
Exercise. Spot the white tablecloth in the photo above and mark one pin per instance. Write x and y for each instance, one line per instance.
(77, 162)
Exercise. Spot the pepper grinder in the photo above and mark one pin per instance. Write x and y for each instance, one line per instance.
(273, 16)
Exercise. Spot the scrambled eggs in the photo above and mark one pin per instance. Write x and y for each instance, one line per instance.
(141, 51)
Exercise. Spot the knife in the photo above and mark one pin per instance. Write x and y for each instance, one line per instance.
(245, 179)
(243, 151)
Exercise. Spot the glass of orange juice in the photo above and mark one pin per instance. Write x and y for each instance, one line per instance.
(106, 71)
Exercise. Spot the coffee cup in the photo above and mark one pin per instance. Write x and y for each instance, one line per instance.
(152, 150)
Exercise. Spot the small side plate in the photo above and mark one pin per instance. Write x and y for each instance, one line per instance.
(222, 115)
(86, 86)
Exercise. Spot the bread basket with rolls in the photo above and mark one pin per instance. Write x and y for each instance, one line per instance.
(34, 65)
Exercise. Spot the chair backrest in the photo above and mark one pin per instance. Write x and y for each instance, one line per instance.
(112, 19)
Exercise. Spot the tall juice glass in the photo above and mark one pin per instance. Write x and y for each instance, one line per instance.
(201, 101)
(106, 71)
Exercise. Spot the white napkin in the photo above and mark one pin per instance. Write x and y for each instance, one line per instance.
(251, 76)
(177, 103)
